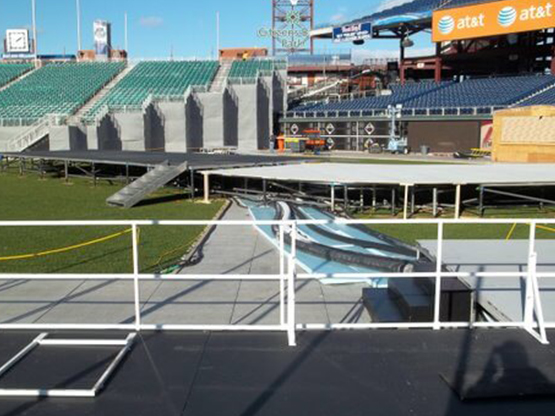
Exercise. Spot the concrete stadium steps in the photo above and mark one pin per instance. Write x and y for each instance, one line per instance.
(220, 79)
(132, 194)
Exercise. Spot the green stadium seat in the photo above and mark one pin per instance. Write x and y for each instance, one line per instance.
(156, 78)
(56, 89)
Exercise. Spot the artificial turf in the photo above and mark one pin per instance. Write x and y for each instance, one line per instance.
(30, 198)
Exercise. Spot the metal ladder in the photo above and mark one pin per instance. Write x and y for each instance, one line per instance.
(146, 184)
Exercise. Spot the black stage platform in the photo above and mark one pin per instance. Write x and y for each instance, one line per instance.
(390, 373)
(196, 161)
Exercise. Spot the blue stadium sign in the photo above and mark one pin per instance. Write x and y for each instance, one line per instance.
(353, 32)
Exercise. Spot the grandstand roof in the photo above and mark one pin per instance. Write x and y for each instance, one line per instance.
(409, 12)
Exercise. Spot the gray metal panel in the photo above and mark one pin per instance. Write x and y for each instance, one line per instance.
(348, 173)
(173, 114)
(212, 120)
(247, 120)
(132, 130)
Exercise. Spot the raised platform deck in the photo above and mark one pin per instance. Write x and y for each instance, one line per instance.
(389, 373)
(195, 161)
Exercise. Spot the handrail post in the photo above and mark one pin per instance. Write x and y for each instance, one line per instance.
(529, 295)
(439, 269)
(136, 271)
(282, 275)
(291, 288)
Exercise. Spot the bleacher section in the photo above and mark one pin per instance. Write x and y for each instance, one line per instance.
(56, 89)
(399, 94)
(472, 93)
(487, 92)
(543, 98)
(9, 72)
(250, 69)
(159, 79)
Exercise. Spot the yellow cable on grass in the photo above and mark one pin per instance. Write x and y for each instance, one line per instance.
(511, 232)
(543, 227)
(65, 249)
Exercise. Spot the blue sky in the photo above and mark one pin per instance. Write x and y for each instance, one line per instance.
(185, 26)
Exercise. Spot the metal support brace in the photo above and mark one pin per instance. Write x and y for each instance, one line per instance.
(406, 203)
(458, 202)
(435, 203)
(206, 188)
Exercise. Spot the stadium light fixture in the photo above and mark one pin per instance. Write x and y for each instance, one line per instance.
(407, 42)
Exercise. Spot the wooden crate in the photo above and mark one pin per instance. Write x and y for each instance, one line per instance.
(525, 135)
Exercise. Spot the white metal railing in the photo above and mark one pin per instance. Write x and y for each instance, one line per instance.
(406, 112)
(533, 320)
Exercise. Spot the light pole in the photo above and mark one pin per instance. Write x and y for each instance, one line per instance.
(78, 11)
(126, 35)
(34, 12)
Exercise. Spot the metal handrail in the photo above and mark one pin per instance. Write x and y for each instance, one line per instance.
(533, 321)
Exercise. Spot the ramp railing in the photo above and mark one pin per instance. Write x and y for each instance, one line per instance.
(290, 274)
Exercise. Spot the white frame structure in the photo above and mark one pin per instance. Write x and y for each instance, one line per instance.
(42, 340)
(533, 321)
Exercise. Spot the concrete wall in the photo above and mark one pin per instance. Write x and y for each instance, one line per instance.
(108, 135)
(174, 126)
(247, 117)
(7, 134)
(155, 135)
(194, 124)
(230, 118)
(212, 119)
(66, 138)
(131, 127)
(264, 116)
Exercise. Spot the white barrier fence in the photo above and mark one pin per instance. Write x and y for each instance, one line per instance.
(533, 320)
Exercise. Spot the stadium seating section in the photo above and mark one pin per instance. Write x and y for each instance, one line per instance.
(56, 89)
(250, 69)
(9, 72)
(468, 94)
(543, 98)
(156, 78)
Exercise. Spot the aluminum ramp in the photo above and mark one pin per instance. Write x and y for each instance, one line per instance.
(146, 184)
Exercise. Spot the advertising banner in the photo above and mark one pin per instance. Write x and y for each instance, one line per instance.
(352, 33)
(101, 37)
(492, 19)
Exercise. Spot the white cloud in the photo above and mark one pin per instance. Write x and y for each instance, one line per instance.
(389, 4)
(340, 16)
(151, 21)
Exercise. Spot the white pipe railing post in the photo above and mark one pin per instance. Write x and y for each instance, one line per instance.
(439, 259)
(529, 296)
(291, 288)
(136, 272)
(282, 275)
(542, 333)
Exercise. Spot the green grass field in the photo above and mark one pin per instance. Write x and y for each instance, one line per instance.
(411, 233)
(29, 198)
